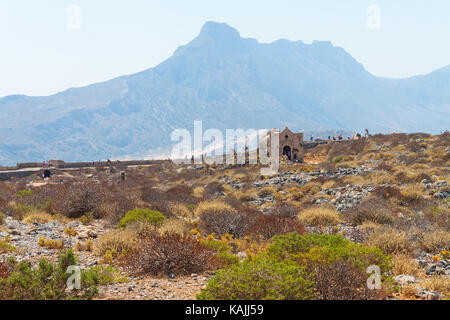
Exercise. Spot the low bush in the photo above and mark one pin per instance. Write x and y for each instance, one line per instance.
(174, 225)
(341, 280)
(323, 248)
(71, 232)
(86, 246)
(5, 269)
(198, 192)
(373, 209)
(76, 199)
(51, 244)
(6, 246)
(223, 222)
(222, 249)
(24, 193)
(5, 207)
(22, 210)
(48, 281)
(437, 283)
(115, 206)
(391, 241)
(387, 193)
(213, 189)
(266, 191)
(338, 159)
(181, 210)
(413, 192)
(207, 207)
(284, 209)
(260, 278)
(404, 264)
(267, 227)
(38, 217)
(319, 216)
(115, 243)
(153, 217)
(101, 275)
(170, 253)
(436, 241)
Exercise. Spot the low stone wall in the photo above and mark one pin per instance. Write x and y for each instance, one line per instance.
(20, 171)
(7, 175)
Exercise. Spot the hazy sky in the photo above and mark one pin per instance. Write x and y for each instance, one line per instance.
(42, 50)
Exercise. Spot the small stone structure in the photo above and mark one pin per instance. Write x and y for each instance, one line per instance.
(291, 144)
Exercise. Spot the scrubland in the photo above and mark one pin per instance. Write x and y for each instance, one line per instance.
(225, 232)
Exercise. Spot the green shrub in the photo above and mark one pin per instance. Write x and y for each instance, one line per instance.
(6, 246)
(153, 217)
(260, 278)
(2, 218)
(284, 246)
(101, 275)
(314, 248)
(48, 281)
(21, 210)
(338, 159)
(223, 254)
(23, 193)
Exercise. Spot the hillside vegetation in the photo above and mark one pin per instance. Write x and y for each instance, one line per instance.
(226, 232)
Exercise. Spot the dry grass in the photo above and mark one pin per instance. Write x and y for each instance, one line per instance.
(86, 246)
(177, 226)
(319, 216)
(212, 206)
(413, 191)
(227, 188)
(38, 217)
(116, 243)
(436, 241)
(370, 226)
(409, 291)
(356, 180)
(404, 264)
(199, 192)
(328, 184)
(382, 178)
(71, 232)
(265, 191)
(51, 244)
(391, 241)
(239, 177)
(246, 196)
(181, 210)
(437, 283)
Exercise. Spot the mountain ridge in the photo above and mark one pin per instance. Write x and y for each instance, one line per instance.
(228, 82)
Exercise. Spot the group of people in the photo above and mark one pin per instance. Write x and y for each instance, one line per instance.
(356, 136)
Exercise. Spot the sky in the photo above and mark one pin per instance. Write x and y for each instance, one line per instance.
(48, 46)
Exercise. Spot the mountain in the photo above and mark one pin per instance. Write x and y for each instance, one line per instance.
(228, 82)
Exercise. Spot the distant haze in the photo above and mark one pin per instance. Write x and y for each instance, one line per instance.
(227, 82)
(40, 55)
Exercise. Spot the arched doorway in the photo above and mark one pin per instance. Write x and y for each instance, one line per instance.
(287, 152)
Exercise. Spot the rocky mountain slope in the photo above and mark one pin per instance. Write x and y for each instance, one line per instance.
(228, 82)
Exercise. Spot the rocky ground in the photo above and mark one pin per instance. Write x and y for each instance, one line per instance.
(356, 182)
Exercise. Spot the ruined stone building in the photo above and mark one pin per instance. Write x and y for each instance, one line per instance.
(291, 144)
